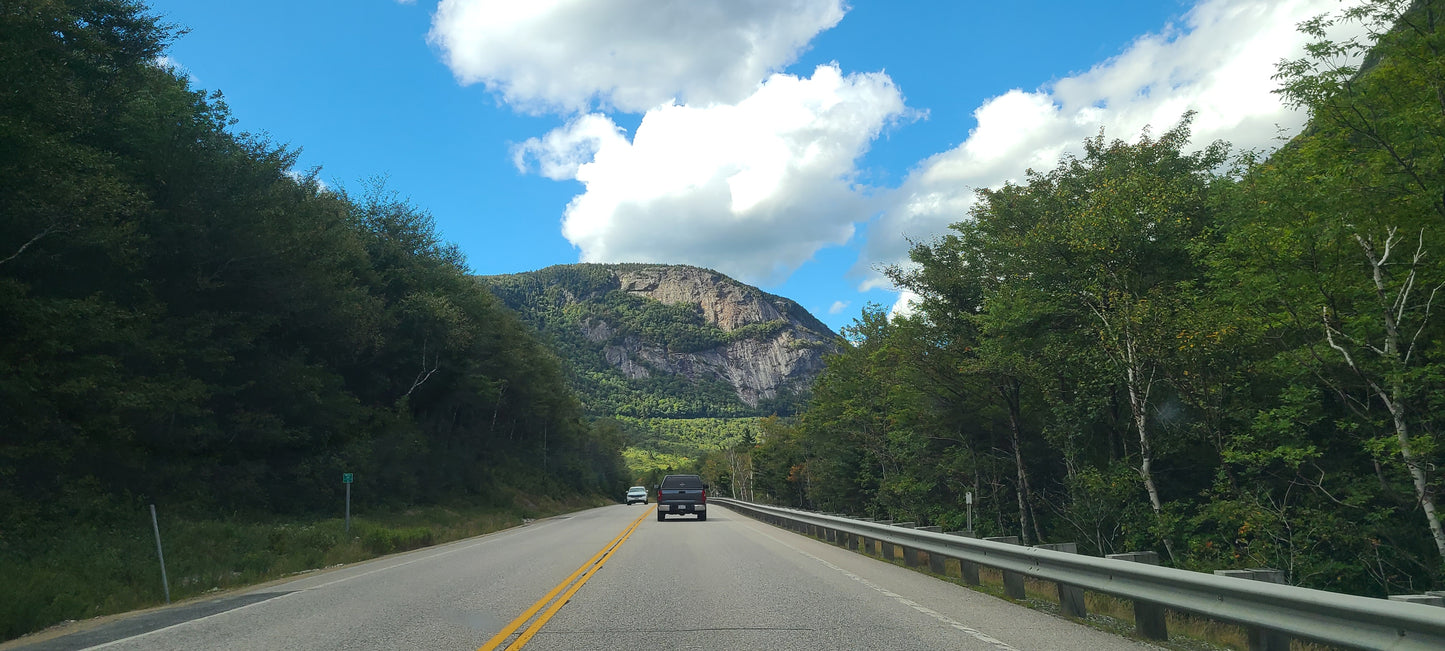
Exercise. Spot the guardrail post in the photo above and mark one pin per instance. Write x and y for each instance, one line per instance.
(967, 570)
(885, 549)
(1148, 617)
(1261, 639)
(935, 561)
(1071, 597)
(863, 545)
(1013, 582)
(910, 555)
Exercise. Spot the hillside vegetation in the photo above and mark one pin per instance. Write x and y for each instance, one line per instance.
(185, 321)
(685, 361)
(659, 446)
(1233, 361)
(636, 356)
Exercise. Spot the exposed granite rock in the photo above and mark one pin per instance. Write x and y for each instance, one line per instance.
(757, 368)
(782, 353)
(725, 302)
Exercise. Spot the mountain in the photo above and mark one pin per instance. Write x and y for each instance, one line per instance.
(671, 341)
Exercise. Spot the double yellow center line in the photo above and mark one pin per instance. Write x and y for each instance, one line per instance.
(585, 572)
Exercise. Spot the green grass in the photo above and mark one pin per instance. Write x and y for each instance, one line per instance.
(108, 565)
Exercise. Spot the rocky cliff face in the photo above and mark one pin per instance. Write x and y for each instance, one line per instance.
(724, 302)
(762, 347)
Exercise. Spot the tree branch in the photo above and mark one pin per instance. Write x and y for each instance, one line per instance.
(48, 229)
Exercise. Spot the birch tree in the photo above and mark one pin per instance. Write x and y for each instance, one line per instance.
(1111, 249)
(1365, 198)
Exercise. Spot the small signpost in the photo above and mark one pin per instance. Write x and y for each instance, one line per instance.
(346, 479)
(968, 499)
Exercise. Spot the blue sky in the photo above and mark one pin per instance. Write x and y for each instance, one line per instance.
(793, 144)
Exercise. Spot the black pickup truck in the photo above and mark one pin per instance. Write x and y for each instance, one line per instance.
(680, 495)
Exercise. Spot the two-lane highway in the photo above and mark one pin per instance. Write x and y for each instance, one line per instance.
(727, 583)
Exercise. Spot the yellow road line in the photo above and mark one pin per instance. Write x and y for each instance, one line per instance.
(589, 568)
(567, 596)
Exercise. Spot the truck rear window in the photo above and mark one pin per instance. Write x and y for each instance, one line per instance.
(682, 482)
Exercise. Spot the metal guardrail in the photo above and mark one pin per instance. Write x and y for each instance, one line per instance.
(1304, 613)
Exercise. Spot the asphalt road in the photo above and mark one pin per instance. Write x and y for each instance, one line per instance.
(727, 583)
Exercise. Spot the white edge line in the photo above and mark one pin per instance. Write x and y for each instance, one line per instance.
(975, 633)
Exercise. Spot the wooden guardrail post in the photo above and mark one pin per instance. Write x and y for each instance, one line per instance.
(1261, 639)
(1071, 597)
(1013, 582)
(967, 570)
(884, 549)
(1148, 617)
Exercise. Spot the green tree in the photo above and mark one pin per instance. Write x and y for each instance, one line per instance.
(1346, 232)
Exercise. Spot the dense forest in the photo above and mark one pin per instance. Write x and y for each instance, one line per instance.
(1231, 359)
(656, 447)
(186, 320)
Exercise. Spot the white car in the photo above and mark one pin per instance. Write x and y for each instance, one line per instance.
(637, 494)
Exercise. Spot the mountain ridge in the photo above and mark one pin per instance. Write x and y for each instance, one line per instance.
(653, 340)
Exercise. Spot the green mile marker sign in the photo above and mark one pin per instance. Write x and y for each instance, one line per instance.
(346, 478)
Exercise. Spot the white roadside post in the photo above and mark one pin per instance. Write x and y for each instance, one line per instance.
(165, 583)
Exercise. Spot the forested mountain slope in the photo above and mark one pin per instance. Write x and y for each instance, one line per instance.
(184, 320)
(187, 322)
(671, 341)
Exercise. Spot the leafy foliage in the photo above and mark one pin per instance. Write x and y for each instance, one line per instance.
(183, 320)
(1233, 358)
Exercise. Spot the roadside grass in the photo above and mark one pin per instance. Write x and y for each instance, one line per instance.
(1107, 613)
(108, 565)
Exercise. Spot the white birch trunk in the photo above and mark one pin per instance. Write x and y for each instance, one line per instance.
(1396, 354)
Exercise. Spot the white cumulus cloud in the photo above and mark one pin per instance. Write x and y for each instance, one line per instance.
(1219, 62)
(633, 55)
(837, 306)
(751, 189)
(906, 305)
